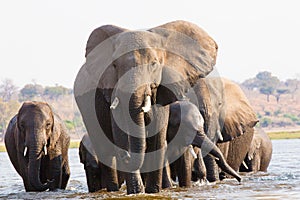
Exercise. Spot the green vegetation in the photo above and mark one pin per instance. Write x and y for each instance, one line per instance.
(284, 135)
(73, 144)
(2, 148)
(270, 85)
(61, 100)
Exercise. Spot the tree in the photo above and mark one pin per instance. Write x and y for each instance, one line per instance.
(7, 89)
(56, 91)
(267, 83)
(292, 85)
(30, 91)
(7, 111)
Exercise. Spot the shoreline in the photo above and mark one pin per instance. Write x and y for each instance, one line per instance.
(274, 134)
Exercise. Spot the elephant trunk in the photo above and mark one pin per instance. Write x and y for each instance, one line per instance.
(34, 171)
(203, 142)
(35, 153)
(137, 144)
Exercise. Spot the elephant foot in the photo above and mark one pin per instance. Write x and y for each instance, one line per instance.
(152, 189)
(112, 187)
(134, 184)
(222, 175)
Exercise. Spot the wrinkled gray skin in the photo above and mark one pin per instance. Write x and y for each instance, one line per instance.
(186, 124)
(143, 63)
(44, 165)
(96, 179)
(92, 166)
(260, 153)
(227, 116)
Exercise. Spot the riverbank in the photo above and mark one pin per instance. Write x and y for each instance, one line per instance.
(274, 135)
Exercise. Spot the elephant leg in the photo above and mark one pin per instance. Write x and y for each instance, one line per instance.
(166, 179)
(153, 180)
(136, 185)
(93, 177)
(121, 178)
(104, 118)
(173, 171)
(45, 172)
(65, 175)
(199, 168)
(184, 169)
(56, 172)
(110, 176)
(212, 170)
(157, 144)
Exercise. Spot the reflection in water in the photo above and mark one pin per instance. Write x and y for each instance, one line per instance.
(282, 181)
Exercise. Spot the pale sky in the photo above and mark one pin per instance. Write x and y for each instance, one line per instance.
(45, 41)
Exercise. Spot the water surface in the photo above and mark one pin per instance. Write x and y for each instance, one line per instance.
(282, 181)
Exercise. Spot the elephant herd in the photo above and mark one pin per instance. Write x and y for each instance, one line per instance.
(153, 113)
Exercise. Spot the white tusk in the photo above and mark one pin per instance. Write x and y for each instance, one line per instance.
(220, 135)
(115, 103)
(192, 151)
(245, 165)
(25, 151)
(250, 157)
(147, 106)
(45, 150)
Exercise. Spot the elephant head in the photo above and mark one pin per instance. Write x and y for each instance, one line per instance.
(225, 108)
(37, 134)
(134, 69)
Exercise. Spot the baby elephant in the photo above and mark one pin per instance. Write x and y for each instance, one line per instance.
(260, 153)
(92, 166)
(185, 128)
(37, 144)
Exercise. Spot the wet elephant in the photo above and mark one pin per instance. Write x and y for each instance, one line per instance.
(260, 153)
(37, 144)
(96, 179)
(186, 124)
(228, 116)
(127, 75)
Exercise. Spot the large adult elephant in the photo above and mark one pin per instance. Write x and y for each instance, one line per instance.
(228, 116)
(37, 144)
(125, 73)
(260, 153)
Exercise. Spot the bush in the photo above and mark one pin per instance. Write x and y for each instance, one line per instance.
(292, 117)
(265, 122)
(69, 124)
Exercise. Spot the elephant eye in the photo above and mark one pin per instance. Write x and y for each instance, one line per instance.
(48, 125)
(22, 127)
(154, 63)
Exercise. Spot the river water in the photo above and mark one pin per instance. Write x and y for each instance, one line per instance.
(282, 181)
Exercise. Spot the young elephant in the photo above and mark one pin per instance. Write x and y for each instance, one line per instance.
(186, 128)
(92, 166)
(96, 179)
(37, 144)
(260, 153)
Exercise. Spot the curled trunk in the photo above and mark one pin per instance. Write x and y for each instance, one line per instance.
(202, 141)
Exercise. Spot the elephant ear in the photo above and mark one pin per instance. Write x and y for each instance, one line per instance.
(99, 51)
(191, 52)
(240, 117)
(255, 145)
(57, 130)
(99, 35)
